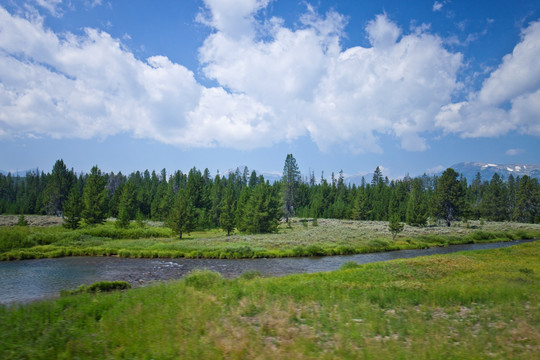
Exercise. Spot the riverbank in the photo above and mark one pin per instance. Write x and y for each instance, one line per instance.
(330, 237)
(480, 304)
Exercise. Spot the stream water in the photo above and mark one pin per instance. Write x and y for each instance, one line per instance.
(29, 280)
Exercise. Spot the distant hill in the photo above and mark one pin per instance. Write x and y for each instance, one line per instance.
(487, 170)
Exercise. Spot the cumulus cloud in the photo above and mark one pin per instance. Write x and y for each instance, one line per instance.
(351, 96)
(509, 99)
(86, 86)
(233, 17)
(274, 84)
(396, 87)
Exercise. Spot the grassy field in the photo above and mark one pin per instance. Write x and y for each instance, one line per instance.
(473, 305)
(330, 237)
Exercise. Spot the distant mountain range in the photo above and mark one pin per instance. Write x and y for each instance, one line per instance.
(487, 170)
(467, 169)
(21, 173)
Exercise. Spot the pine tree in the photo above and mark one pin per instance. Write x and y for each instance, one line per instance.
(360, 209)
(416, 206)
(94, 198)
(216, 196)
(22, 221)
(241, 209)
(182, 216)
(448, 198)
(377, 177)
(475, 195)
(511, 198)
(495, 199)
(394, 226)
(253, 179)
(73, 209)
(262, 210)
(228, 204)
(126, 206)
(156, 209)
(139, 219)
(527, 201)
(58, 186)
(290, 183)
(393, 207)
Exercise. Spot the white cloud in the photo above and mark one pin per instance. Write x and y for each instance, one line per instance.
(395, 89)
(52, 6)
(382, 33)
(435, 170)
(397, 86)
(274, 84)
(233, 17)
(437, 6)
(509, 99)
(86, 86)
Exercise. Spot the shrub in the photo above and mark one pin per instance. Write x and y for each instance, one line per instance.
(311, 250)
(481, 235)
(22, 221)
(349, 265)
(14, 237)
(250, 274)
(314, 250)
(378, 243)
(203, 279)
(345, 250)
(239, 252)
(100, 286)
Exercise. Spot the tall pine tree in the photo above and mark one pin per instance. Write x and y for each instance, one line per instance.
(182, 215)
(73, 209)
(290, 183)
(228, 205)
(448, 201)
(94, 198)
(127, 205)
(416, 206)
(58, 187)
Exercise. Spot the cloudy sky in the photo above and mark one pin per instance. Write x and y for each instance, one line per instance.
(132, 85)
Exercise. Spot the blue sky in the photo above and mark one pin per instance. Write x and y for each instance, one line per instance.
(343, 85)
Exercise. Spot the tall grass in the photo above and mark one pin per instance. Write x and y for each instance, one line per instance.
(480, 304)
(331, 237)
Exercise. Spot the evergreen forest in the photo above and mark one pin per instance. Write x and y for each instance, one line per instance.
(244, 201)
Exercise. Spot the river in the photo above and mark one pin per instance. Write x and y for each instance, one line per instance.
(30, 280)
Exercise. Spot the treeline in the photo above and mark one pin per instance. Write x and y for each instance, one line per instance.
(414, 200)
(245, 201)
(240, 200)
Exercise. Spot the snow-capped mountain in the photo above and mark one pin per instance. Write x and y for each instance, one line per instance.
(487, 170)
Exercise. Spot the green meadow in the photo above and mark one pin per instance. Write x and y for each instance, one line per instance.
(470, 305)
(298, 238)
